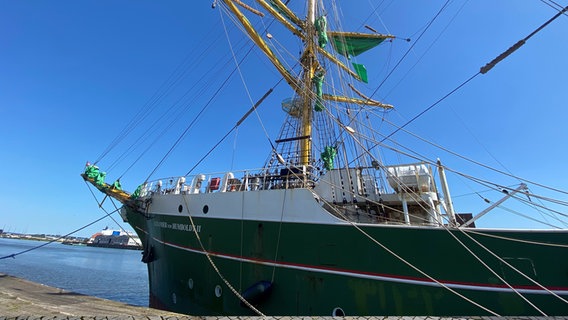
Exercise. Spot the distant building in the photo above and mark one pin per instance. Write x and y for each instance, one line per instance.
(119, 239)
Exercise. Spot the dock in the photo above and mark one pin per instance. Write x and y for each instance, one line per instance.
(25, 300)
(22, 299)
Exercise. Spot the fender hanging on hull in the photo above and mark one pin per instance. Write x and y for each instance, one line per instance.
(257, 293)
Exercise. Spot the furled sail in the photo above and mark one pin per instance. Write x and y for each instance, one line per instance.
(350, 44)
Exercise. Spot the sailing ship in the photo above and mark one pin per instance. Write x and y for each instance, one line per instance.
(325, 227)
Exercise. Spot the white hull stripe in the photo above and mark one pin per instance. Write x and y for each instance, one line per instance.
(371, 276)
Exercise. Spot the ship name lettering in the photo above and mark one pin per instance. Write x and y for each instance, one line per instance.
(177, 226)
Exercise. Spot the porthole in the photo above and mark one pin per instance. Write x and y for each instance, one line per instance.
(338, 312)
(190, 283)
(205, 209)
(218, 291)
(174, 298)
(180, 208)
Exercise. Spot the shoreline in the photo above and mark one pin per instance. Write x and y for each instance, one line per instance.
(20, 297)
(24, 299)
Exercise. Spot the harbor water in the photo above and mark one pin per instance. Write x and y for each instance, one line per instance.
(113, 274)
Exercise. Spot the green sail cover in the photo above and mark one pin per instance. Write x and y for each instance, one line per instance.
(136, 192)
(353, 45)
(92, 171)
(327, 157)
(277, 8)
(361, 71)
(116, 185)
(100, 178)
(317, 80)
(321, 27)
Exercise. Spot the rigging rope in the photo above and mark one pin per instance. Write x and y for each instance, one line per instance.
(235, 127)
(415, 268)
(519, 44)
(476, 257)
(483, 70)
(226, 10)
(423, 158)
(279, 235)
(237, 65)
(107, 214)
(166, 86)
(430, 107)
(492, 186)
(513, 268)
(411, 47)
(472, 160)
(430, 46)
(493, 271)
(528, 217)
(227, 283)
(174, 80)
(469, 230)
(184, 133)
(153, 128)
(13, 255)
(204, 86)
(556, 6)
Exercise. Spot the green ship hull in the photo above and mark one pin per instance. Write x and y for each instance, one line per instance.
(350, 269)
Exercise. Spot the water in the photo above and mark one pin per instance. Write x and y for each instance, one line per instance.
(112, 274)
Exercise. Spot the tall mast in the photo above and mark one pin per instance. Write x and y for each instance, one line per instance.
(309, 96)
(309, 64)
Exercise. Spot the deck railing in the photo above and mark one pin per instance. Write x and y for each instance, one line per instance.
(245, 180)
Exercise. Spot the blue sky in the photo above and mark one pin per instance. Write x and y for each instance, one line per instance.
(74, 73)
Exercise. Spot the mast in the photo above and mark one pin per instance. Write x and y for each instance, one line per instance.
(308, 62)
(308, 84)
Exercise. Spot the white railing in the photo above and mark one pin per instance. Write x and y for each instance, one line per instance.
(245, 180)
